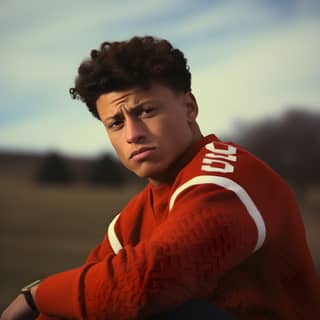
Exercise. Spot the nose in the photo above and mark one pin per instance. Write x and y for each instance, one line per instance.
(135, 130)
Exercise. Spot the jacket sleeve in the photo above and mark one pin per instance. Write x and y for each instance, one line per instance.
(208, 232)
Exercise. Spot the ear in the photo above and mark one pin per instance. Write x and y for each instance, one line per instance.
(191, 106)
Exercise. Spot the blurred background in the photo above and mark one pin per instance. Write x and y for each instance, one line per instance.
(255, 73)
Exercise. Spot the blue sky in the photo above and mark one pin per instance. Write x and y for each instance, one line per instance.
(249, 60)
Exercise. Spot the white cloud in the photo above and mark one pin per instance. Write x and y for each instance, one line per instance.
(224, 16)
(262, 77)
(49, 48)
(76, 134)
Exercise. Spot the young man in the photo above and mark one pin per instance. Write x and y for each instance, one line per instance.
(213, 224)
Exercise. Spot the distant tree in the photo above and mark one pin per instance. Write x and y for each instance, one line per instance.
(54, 170)
(290, 144)
(107, 171)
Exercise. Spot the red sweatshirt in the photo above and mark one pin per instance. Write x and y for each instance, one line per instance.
(227, 229)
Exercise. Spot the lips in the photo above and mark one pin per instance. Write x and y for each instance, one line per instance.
(141, 153)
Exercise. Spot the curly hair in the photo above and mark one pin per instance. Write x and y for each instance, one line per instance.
(138, 62)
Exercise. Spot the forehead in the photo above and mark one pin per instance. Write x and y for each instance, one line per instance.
(116, 98)
(110, 102)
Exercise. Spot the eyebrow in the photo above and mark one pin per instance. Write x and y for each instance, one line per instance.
(119, 114)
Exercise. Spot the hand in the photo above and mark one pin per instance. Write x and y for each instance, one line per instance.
(18, 309)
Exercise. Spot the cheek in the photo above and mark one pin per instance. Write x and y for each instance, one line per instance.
(123, 159)
(175, 128)
(115, 142)
(170, 126)
(119, 152)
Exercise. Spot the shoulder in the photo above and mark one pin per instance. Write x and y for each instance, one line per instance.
(226, 161)
(225, 177)
(219, 165)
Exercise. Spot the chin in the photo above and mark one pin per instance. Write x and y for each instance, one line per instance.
(146, 172)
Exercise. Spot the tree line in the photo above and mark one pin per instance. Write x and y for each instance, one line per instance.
(290, 144)
(106, 170)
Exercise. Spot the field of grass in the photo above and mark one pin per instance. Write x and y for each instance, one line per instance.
(49, 229)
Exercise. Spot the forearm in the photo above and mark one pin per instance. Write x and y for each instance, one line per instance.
(21, 308)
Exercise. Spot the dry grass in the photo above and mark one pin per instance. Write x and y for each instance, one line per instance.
(46, 230)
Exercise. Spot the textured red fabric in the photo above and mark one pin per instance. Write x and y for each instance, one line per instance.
(227, 229)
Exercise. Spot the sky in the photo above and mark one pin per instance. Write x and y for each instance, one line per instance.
(249, 60)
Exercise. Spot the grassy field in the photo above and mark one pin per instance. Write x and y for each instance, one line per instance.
(47, 230)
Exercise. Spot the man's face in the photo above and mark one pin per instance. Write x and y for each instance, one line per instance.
(149, 129)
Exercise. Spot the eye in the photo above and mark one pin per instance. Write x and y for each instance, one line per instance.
(147, 111)
(116, 124)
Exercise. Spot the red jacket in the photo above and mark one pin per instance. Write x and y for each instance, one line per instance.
(227, 229)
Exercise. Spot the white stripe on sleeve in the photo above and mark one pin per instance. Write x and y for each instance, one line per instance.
(113, 239)
(238, 190)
